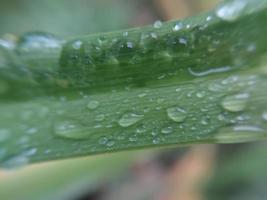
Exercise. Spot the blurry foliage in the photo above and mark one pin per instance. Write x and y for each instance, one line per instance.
(239, 175)
(64, 18)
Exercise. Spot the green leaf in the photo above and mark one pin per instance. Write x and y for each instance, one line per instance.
(198, 80)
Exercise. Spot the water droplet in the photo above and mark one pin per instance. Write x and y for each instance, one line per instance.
(156, 140)
(251, 48)
(154, 133)
(130, 45)
(178, 90)
(158, 24)
(210, 71)
(100, 117)
(71, 129)
(264, 116)
(133, 138)
(103, 140)
(204, 121)
(153, 35)
(182, 41)
(141, 95)
(125, 34)
(167, 130)
(235, 103)
(4, 135)
(176, 114)
(92, 104)
(164, 55)
(113, 61)
(200, 94)
(221, 117)
(230, 11)
(215, 87)
(77, 44)
(141, 129)
(32, 130)
(38, 40)
(162, 76)
(30, 152)
(110, 143)
(208, 18)
(129, 119)
(8, 43)
(178, 26)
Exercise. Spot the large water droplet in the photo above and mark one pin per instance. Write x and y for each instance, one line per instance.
(176, 114)
(71, 129)
(231, 10)
(129, 119)
(235, 103)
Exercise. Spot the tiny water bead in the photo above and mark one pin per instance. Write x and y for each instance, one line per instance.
(200, 94)
(129, 119)
(77, 44)
(208, 18)
(39, 40)
(176, 114)
(156, 140)
(167, 130)
(71, 129)
(141, 95)
(158, 24)
(178, 26)
(231, 10)
(103, 140)
(93, 104)
(100, 117)
(110, 143)
(235, 103)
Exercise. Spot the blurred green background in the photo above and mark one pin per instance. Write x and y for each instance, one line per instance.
(198, 173)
